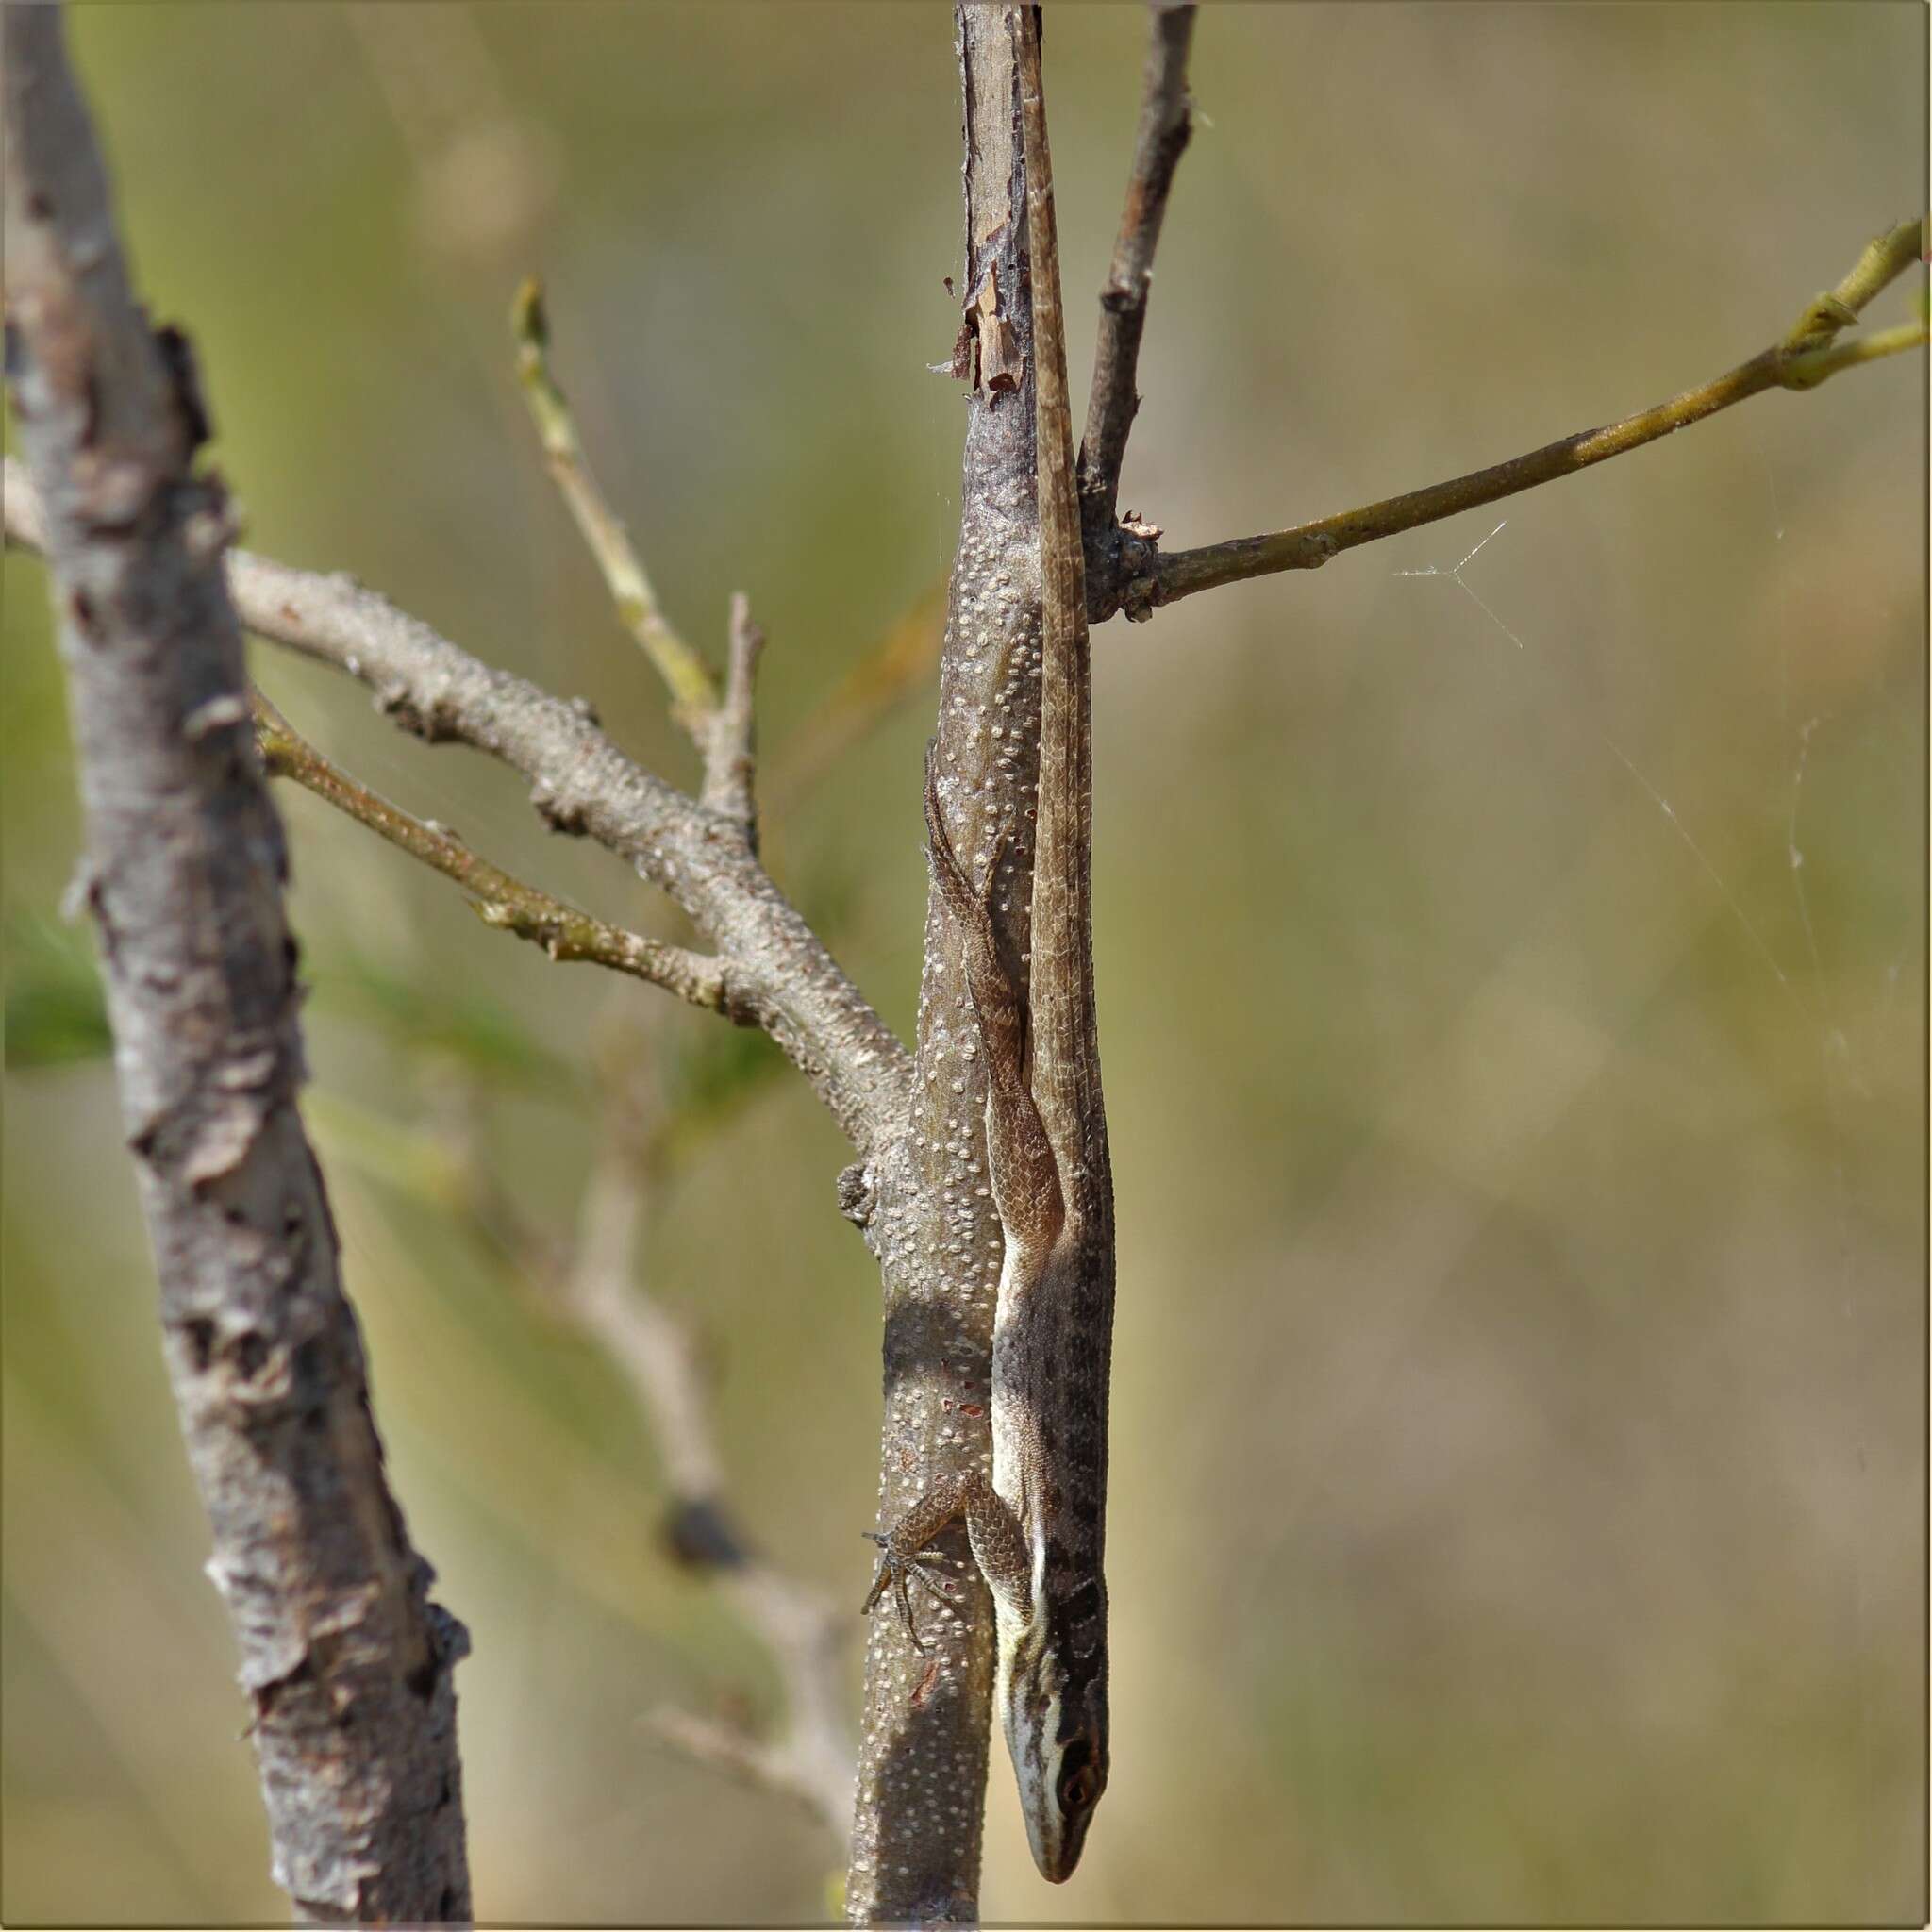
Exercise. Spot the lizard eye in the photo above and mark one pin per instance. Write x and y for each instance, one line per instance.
(1079, 1781)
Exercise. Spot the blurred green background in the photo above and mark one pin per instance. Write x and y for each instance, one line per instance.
(1519, 1490)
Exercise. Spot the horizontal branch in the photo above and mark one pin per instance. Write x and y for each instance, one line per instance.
(1803, 358)
(500, 900)
(1809, 367)
(781, 975)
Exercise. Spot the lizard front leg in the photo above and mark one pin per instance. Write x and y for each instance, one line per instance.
(999, 1547)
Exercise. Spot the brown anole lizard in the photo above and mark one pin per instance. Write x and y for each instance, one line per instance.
(1036, 1527)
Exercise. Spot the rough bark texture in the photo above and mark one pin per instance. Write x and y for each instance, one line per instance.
(927, 1202)
(347, 1662)
(779, 973)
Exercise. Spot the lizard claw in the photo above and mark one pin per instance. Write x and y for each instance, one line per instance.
(895, 1571)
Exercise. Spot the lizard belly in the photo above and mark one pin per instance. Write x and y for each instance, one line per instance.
(1016, 1473)
(1012, 1427)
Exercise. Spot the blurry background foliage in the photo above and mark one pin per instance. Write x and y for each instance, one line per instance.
(1518, 1497)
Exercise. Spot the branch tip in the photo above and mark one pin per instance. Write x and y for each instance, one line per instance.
(1805, 355)
(529, 322)
(688, 679)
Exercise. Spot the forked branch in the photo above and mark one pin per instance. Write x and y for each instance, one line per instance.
(719, 725)
(781, 977)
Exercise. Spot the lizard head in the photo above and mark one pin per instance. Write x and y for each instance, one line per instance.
(1055, 1712)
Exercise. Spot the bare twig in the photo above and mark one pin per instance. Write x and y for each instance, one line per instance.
(811, 1756)
(594, 1285)
(1804, 357)
(1161, 138)
(500, 900)
(720, 726)
(693, 692)
(780, 973)
(346, 1661)
(729, 737)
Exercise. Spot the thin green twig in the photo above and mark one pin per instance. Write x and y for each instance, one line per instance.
(1804, 357)
(692, 688)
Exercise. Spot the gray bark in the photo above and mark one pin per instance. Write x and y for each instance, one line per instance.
(919, 1188)
(346, 1660)
(923, 1754)
(775, 971)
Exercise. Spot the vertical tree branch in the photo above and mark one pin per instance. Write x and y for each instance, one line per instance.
(927, 1206)
(1158, 144)
(730, 735)
(347, 1662)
